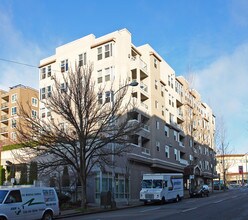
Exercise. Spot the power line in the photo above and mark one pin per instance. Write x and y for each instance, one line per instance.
(24, 64)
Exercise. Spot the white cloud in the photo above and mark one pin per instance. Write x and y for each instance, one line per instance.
(223, 84)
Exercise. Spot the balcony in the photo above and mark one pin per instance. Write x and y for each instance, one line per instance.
(144, 87)
(137, 63)
(4, 119)
(4, 131)
(145, 151)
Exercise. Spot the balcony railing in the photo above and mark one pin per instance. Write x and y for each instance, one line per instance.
(4, 105)
(4, 118)
(145, 127)
(145, 151)
(3, 130)
(144, 87)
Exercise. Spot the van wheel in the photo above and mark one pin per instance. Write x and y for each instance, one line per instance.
(2, 218)
(163, 201)
(48, 215)
(177, 199)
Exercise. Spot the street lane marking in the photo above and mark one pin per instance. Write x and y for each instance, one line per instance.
(234, 197)
(147, 210)
(187, 210)
(218, 201)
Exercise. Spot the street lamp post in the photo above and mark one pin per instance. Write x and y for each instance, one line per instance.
(133, 84)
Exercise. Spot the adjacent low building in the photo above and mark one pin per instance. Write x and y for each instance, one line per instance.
(178, 127)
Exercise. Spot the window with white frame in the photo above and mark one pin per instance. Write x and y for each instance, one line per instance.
(162, 90)
(100, 101)
(34, 102)
(14, 98)
(156, 104)
(34, 113)
(157, 125)
(43, 73)
(49, 71)
(107, 96)
(13, 123)
(108, 50)
(63, 87)
(64, 65)
(99, 76)
(175, 135)
(49, 91)
(13, 111)
(43, 93)
(155, 63)
(107, 74)
(13, 135)
(158, 145)
(99, 53)
(167, 151)
(82, 59)
(156, 84)
(191, 158)
(166, 131)
(177, 154)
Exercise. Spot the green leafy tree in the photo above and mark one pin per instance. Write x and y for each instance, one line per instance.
(2, 175)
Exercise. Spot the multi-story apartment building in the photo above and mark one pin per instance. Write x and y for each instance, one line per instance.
(171, 111)
(10, 103)
(232, 167)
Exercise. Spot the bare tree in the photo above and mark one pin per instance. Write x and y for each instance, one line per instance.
(223, 149)
(82, 126)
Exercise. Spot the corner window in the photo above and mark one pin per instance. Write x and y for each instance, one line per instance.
(82, 59)
(99, 53)
(49, 71)
(108, 50)
(13, 111)
(14, 98)
(35, 102)
(64, 65)
(43, 73)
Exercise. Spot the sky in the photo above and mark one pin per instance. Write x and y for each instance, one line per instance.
(207, 39)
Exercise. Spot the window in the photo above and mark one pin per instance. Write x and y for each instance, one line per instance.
(107, 96)
(158, 145)
(107, 74)
(64, 65)
(82, 59)
(13, 111)
(156, 104)
(43, 73)
(157, 125)
(99, 73)
(166, 131)
(49, 91)
(156, 84)
(13, 123)
(43, 115)
(162, 90)
(99, 53)
(13, 136)
(191, 157)
(176, 154)
(14, 196)
(162, 110)
(43, 93)
(108, 50)
(175, 135)
(14, 98)
(169, 80)
(34, 114)
(100, 98)
(49, 71)
(155, 63)
(34, 102)
(167, 151)
(63, 87)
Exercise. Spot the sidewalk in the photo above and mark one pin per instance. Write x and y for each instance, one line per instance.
(96, 208)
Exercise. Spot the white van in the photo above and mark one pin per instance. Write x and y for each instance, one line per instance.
(162, 187)
(28, 203)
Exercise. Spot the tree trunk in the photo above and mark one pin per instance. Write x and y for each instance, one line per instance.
(83, 192)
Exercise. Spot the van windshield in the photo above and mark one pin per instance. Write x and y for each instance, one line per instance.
(2, 195)
(152, 184)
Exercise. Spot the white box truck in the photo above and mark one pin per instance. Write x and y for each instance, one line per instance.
(28, 203)
(162, 187)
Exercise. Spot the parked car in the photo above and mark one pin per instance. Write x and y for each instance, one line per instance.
(199, 191)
